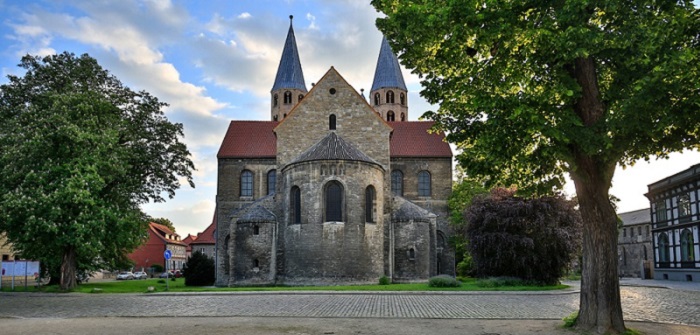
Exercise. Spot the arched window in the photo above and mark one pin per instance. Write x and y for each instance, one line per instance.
(376, 99)
(397, 182)
(390, 97)
(331, 122)
(295, 205)
(275, 100)
(301, 96)
(687, 246)
(424, 184)
(390, 116)
(663, 248)
(287, 97)
(285, 115)
(334, 202)
(402, 99)
(274, 117)
(411, 254)
(403, 117)
(271, 181)
(370, 197)
(246, 183)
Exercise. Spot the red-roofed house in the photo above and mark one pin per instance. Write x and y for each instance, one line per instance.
(160, 238)
(205, 241)
(333, 188)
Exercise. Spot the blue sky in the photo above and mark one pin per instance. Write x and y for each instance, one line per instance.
(215, 61)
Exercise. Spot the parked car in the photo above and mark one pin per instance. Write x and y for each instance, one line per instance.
(178, 273)
(125, 276)
(168, 274)
(140, 275)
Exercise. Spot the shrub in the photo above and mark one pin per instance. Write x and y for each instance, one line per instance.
(443, 281)
(502, 281)
(384, 280)
(533, 239)
(161, 281)
(156, 268)
(199, 270)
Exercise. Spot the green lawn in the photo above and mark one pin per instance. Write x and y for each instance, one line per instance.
(141, 286)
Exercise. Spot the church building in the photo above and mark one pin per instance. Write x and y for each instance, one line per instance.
(333, 188)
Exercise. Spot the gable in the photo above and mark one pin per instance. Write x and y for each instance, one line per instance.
(355, 121)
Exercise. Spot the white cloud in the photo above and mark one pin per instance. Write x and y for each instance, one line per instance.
(244, 15)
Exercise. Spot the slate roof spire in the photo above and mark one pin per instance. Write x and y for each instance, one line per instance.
(289, 73)
(388, 73)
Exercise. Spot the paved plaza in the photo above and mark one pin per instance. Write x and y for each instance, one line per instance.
(653, 304)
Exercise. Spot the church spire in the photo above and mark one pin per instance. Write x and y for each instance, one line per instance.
(389, 95)
(388, 73)
(289, 73)
(289, 87)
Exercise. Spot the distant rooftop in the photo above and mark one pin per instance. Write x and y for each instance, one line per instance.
(635, 217)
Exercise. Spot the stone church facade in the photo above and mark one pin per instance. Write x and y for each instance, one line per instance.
(333, 188)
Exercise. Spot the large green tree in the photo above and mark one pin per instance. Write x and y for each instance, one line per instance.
(532, 90)
(79, 153)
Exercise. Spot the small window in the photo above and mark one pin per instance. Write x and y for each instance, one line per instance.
(5, 257)
(331, 122)
(402, 98)
(648, 231)
(256, 230)
(397, 182)
(284, 116)
(247, 183)
(639, 230)
(664, 250)
(256, 263)
(411, 254)
(334, 202)
(424, 184)
(331, 91)
(295, 205)
(684, 207)
(632, 232)
(403, 117)
(390, 97)
(271, 181)
(624, 232)
(370, 198)
(287, 98)
(376, 99)
(301, 96)
(661, 212)
(274, 117)
(275, 100)
(687, 246)
(390, 116)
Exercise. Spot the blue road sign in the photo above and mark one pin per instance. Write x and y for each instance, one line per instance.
(168, 254)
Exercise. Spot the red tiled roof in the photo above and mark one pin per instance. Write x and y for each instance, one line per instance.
(249, 139)
(411, 139)
(256, 139)
(207, 236)
(155, 227)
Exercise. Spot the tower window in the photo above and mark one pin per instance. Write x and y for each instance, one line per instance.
(370, 197)
(424, 184)
(256, 230)
(274, 118)
(301, 96)
(397, 182)
(287, 97)
(402, 99)
(247, 183)
(411, 254)
(390, 116)
(334, 202)
(376, 99)
(275, 100)
(295, 205)
(403, 117)
(331, 122)
(271, 181)
(390, 97)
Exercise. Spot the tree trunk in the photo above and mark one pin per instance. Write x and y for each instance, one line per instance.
(600, 308)
(68, 265)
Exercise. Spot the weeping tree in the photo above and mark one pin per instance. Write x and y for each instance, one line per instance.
(79, 153)
(533, 90)
(534, 239)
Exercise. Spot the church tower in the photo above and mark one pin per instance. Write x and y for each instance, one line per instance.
(289, 87)
(389, 95)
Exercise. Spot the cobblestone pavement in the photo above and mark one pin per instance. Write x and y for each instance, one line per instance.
(639, 304)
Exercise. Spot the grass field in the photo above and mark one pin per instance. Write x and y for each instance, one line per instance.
(141, 286)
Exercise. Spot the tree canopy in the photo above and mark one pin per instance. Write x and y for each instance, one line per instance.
(79, 153)
(531, 90)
